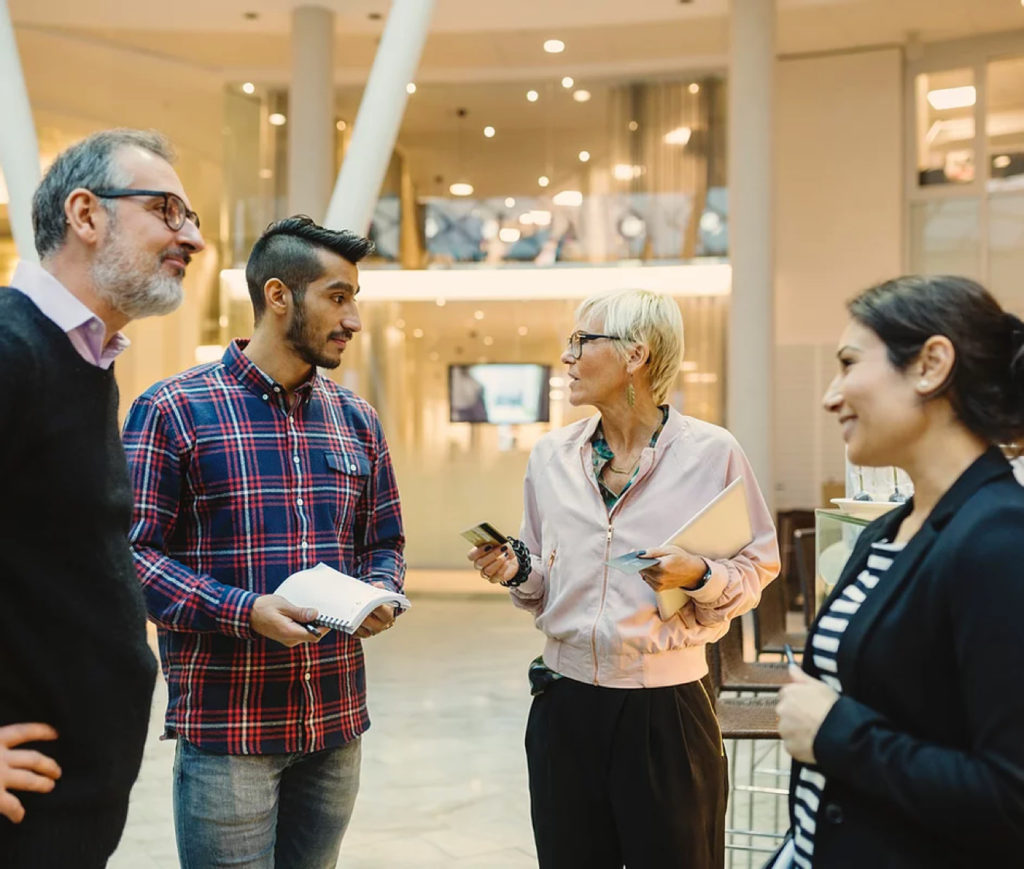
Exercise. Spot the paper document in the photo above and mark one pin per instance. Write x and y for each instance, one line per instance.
(719, 530)
(342, 600)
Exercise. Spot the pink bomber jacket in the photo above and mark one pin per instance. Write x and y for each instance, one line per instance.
(602, 626)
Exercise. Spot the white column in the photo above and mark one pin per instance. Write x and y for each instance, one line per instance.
(380, 115)
(751, 236)
(311, 112)
(19, 148)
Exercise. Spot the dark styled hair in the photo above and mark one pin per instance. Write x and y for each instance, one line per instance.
(986, 384)
(90, 164)
(287, 250)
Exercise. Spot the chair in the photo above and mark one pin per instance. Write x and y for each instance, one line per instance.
(787, 521)
(803, 550)
(770, 634)
(731, 672)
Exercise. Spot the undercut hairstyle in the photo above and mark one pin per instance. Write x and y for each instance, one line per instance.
(642, 317)
(92, 164)
(287, 250)
(986, 384)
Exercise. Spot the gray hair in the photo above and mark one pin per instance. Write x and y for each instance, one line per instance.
(647, 318)
(90, 164)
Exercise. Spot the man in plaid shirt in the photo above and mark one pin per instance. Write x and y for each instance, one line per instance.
(245, 471)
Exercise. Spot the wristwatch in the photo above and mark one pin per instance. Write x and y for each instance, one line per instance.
(704, 579)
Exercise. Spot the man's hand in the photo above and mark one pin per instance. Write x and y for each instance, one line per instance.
(23, 769)
(379, 620)
(803, 705)
(495, 563)
(275, 618)
(676, 568)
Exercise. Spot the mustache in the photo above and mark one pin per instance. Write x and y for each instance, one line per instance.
(178, 253)
(344, 335)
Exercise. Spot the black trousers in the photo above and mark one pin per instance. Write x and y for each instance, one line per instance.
(621, 776)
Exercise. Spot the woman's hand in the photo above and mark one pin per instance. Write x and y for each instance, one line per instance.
(495, 563)
(676, 568)
(803, 705)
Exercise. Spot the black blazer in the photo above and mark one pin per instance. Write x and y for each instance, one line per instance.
(924, 752)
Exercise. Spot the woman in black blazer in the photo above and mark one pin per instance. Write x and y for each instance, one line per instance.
(906, 725)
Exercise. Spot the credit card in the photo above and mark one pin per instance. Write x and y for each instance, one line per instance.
(632, 562)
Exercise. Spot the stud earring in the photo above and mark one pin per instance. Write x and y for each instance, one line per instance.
(922, 384)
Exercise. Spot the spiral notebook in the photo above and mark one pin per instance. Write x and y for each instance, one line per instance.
(342, 600)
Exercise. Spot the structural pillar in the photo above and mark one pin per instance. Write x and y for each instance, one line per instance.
(311, 112)
(19, 148)
(380, 115)
(751, 235)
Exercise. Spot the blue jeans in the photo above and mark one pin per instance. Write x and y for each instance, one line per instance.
(278, 811)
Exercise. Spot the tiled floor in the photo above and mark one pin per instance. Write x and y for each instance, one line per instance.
(444, 774)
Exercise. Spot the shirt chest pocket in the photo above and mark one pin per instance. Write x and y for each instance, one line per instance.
(346, 477)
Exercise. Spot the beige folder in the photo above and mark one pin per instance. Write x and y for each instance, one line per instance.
(720, 530)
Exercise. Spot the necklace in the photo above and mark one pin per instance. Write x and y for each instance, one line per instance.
(628, 470)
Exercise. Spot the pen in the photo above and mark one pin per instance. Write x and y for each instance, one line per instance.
(788, 649)
(314, 629)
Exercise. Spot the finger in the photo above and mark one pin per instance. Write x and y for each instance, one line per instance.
(16, 734)
(11, 807)
(34, 762)
(24, 780)
(479, 551)
(798, 675)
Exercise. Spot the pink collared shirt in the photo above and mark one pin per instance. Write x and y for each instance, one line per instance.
(84, 329)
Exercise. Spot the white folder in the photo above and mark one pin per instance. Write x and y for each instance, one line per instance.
(720, 530)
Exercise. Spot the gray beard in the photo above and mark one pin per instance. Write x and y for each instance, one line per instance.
(127, 288)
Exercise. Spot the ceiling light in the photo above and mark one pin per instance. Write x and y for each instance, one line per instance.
(341, 125)
(489, 132)
(417, 333)
(584, 156)
(952, 98)
(399, 323)
(543, 181)
(440, 303)
(248, 88)
(532, 96)
(266, 173)
(523, 330)
(277, 120)
(478, 315)
(581, 96)
(695, 88)
(488, 340)
(509, 234)
(554, 46)
(1003, 160)
(632, 226)
(678, 136)
(410, 88)
(540, 217)
(627, 172)
(510, 202)
(461, 188)
(568, 82)
(633, 126)
(568, 198)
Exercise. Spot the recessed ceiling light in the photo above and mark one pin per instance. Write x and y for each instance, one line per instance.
(510, 202)
(678, 136)
(523, 330)
(509, 234)
(440, 303)
(489, 132)
(341, 125)
(248, 88)
(276, 119)
(952, 98)
(554, 46)
(694, 88)
(410, 88)
(633, 126)
(543, 181)
(461, 188)
(584, 156)
(581, 96)
(532, 96)
(568, 82)
(540, 217)
(1003, 160)
(478, 315)
(399, 323)
(568, 198)
(417, 333)
(488, 340)
(266, 173)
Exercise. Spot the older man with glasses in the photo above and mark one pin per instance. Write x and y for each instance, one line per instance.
(114, 235)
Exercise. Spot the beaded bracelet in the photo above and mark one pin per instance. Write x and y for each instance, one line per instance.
(525, 566)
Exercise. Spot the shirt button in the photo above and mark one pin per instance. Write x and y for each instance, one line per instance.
(291, 421)
(298, 501)
(833, 813)
(351, 467)
(277, 389)
(265, 396)
(307, 676)
(305, 543)
(295, 459)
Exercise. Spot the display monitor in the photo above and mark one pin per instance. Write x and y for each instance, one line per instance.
(502, 393)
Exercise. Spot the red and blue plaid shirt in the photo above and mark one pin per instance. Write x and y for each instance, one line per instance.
(234, 491)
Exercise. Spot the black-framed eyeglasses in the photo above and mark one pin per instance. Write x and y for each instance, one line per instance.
(578, 338)
(175, 211)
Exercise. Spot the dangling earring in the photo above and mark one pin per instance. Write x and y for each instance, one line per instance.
(630, 392)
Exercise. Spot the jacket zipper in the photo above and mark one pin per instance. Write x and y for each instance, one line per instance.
(604, 594)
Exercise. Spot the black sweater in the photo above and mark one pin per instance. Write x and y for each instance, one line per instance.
(73, 649)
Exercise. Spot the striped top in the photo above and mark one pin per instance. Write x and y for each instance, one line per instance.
(824, 648)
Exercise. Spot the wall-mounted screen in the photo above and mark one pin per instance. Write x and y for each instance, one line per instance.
(498, 392)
